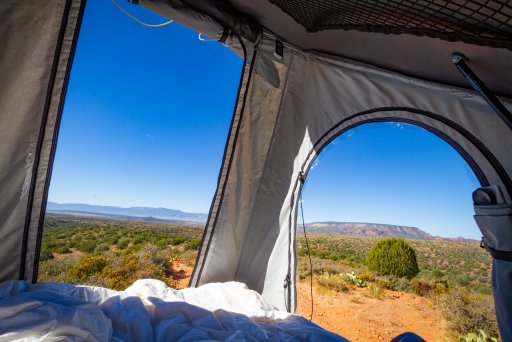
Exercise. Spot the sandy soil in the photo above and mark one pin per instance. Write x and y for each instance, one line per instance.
(181, 273)
(358, 315)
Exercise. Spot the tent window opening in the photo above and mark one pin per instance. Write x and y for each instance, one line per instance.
(141, 142)
(388, 212)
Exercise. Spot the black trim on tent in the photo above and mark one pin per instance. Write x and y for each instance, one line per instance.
(55, 138)
(500, 170)
(319, 146)
(500, 255)
(222, 187)
(40, 139)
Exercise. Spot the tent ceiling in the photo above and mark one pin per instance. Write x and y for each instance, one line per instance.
(476, 22)
(424, 57)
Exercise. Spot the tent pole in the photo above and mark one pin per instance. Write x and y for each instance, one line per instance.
(460, 62)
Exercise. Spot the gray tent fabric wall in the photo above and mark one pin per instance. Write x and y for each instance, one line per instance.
(282, 130)
(35, 57)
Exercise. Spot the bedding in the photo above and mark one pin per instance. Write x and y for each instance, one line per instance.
(148, 310)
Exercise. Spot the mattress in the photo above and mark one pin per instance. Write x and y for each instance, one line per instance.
(148, 310)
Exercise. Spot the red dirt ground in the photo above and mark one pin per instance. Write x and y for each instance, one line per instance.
(358, 315)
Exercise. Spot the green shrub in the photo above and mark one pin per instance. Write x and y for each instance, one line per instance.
(393, 256)
(162, 243)
(86, 246)
(177, 240)
(137, 247)
(193, 244)
(61, 249)
(399, 284)
(123, 243)
(56, 267)
(101, 248)
(45, 255)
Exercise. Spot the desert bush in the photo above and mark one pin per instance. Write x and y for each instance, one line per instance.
(393, 256)
(467, 313)
(383, 283)
(55, 268)
(352, 279)
(162, 243)
(421, 287)
(375, 291)
(193, 244)
(365, 276)
(426, 288)
(125, 267)
(89, 265)
(158, 256)
(480, 337)
(63, 249)
(177, 240)
(332, 282)
(86, 246)
(111, 240)
(137, 247)
(399, 284)
(123, 243)
(101, 248)
(393, 283)
(45, 255)
(340, 282)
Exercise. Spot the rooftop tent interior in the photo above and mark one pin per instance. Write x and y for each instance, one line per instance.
(312, 70)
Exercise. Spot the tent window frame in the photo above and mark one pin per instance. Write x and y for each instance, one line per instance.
(320, 144)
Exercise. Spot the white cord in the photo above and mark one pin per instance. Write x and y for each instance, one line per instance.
(139, 21)
(203, 39)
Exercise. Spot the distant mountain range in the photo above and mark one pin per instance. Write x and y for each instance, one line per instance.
(147, 214)
(134, 213)
(374, 229)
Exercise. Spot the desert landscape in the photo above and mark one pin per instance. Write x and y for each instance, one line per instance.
(448, 300)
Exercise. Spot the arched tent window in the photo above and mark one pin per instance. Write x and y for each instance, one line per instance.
(393, 180)
(141, 141)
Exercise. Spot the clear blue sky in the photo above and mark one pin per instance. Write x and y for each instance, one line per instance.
(147, 115)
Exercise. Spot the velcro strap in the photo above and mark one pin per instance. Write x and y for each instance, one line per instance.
(500, 255)
(225, 35)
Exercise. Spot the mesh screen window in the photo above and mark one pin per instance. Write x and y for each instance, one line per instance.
(476, 22)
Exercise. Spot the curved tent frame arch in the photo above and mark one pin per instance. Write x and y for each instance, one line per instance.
(340, 129)
(347, 124)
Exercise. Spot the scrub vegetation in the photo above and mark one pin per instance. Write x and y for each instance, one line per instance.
(453, 276)
(114, 253)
